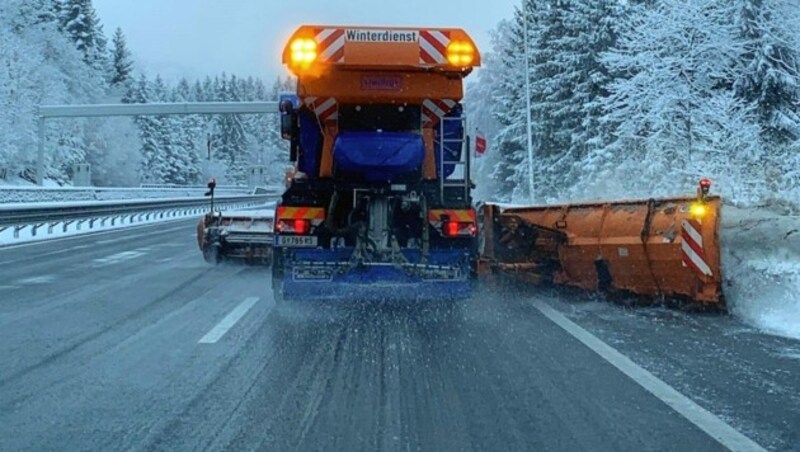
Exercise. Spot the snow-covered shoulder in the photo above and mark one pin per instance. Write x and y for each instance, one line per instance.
(761, 264)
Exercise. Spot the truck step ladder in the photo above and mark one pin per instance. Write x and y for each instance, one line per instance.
(455, 180)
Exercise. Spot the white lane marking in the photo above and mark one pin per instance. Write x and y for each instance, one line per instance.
(44, 279)
(694, 413)
(51, 253)
(229, 321)
(120, 257)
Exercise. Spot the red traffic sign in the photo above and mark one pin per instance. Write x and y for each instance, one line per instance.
(480, 144)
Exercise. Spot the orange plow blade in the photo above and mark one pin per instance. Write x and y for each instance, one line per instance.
(658, 247)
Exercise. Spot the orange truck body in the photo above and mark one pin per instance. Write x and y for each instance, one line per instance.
(378, 137)
(363, 65)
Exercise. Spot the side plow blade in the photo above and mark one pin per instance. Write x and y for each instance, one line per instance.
(655, 248)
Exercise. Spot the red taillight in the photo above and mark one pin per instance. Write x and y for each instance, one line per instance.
(300, 227)
(451, 229)
(459, 229)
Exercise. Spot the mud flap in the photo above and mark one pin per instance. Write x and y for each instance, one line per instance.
(604, 281)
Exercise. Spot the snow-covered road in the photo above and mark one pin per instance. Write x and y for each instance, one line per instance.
(109, 332)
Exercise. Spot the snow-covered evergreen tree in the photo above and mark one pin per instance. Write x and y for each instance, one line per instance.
(231, 142)
(272, 149)
(508, 107)
(153, 166)
(34, 12)
(122, 63)
(101, 59)
(185, 131)
(596, 25)
(53, 52)
(555, 72)
(176, 164)
(771, 74)
(676, 120)
(480, 96)
(40, 66)
(79, 21)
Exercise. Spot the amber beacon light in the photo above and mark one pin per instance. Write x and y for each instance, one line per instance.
(303, 52)
(460, 53)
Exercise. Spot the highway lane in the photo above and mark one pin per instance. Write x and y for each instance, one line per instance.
(102, 346)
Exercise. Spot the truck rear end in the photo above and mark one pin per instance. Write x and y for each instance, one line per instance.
(379, 205)
(243, 235)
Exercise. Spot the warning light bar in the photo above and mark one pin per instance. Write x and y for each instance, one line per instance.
(460, 53)
(303, 52)
(313, 50)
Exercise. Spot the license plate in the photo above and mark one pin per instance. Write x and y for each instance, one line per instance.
(296, 241)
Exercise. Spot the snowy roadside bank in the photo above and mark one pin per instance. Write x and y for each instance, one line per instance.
(58, 230)
(761, 267)
(25, 236)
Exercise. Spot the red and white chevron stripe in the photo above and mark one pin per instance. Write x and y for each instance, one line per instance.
(433, 46)
(692, 247)
(433, 110)
(325, 108)
(330, 45)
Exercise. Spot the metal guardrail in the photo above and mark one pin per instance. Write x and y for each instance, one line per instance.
(51, 215)
(194, 187)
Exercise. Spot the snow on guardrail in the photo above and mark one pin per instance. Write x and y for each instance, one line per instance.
(65, 194)
(23, 222)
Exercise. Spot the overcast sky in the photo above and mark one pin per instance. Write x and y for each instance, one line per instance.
(197, 37)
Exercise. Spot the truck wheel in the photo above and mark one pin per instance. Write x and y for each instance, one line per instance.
(212, 254)
(277, 277)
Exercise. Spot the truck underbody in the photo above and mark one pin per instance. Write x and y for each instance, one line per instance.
(377, 243)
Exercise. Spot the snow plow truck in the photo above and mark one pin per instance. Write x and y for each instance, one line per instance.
(379, 205)
(239, 235)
